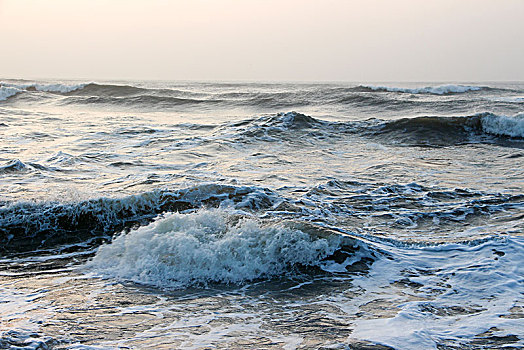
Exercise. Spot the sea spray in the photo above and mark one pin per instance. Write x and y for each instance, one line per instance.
(179, 250)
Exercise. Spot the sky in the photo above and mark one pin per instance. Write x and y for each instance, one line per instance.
(263, 40)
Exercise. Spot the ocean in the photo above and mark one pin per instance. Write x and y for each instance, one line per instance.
(215, 215)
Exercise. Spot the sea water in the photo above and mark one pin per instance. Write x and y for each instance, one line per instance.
(203, 215)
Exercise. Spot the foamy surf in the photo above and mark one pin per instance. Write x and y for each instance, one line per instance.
(210, 246)
(455, 312)
(8, 90)
(512, 126)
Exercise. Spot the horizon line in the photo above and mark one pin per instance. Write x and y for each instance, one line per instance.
(269, 81)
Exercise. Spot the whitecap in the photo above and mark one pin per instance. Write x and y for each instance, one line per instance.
(503, 125)
(437, 90)
(9, 89)
(6, 92)
(208, 246)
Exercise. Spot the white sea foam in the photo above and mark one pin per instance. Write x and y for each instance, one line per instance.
(482, 284)
(58, 87)
(10, 89)
(437, 90)
(504, 125)
(208, 246)
(6, 92)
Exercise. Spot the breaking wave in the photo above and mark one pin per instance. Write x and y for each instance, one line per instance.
(212, 246)
(452, 130)
(11, 89)
(503, 125)
(6, 92)
(30, 226)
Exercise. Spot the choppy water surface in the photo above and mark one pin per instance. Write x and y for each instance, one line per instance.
(269, 216)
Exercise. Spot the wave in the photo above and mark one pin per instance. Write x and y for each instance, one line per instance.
(300, 97)
(8, 90)
(95, 93)
(95, 89)
(424, 130)
(503, 125)
(432, 211)
(291, 126)
(509, 99)
(16, 166)
(435, 90)
(105, 93)
(140, 100)
(442, 131)
(123, 90)
(287, 121)
(134, 96)
(268, 98)
(30, 226)
(373, 100)
(61, 88)
(13, 166)
(213, 246)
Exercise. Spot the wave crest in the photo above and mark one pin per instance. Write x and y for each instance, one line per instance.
(209, 246)
(288, 121)
(13, 166)
(435, 90)
(424, 130)
(459, 129)
(30, 226)
(8, 90)
(503, 125)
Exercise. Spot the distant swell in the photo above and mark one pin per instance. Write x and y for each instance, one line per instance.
(95, 89)
(435, 90)
(8, 90)
(368, 98)
(141, 100)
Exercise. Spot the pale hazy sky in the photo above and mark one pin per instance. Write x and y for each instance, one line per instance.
(269, 40)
